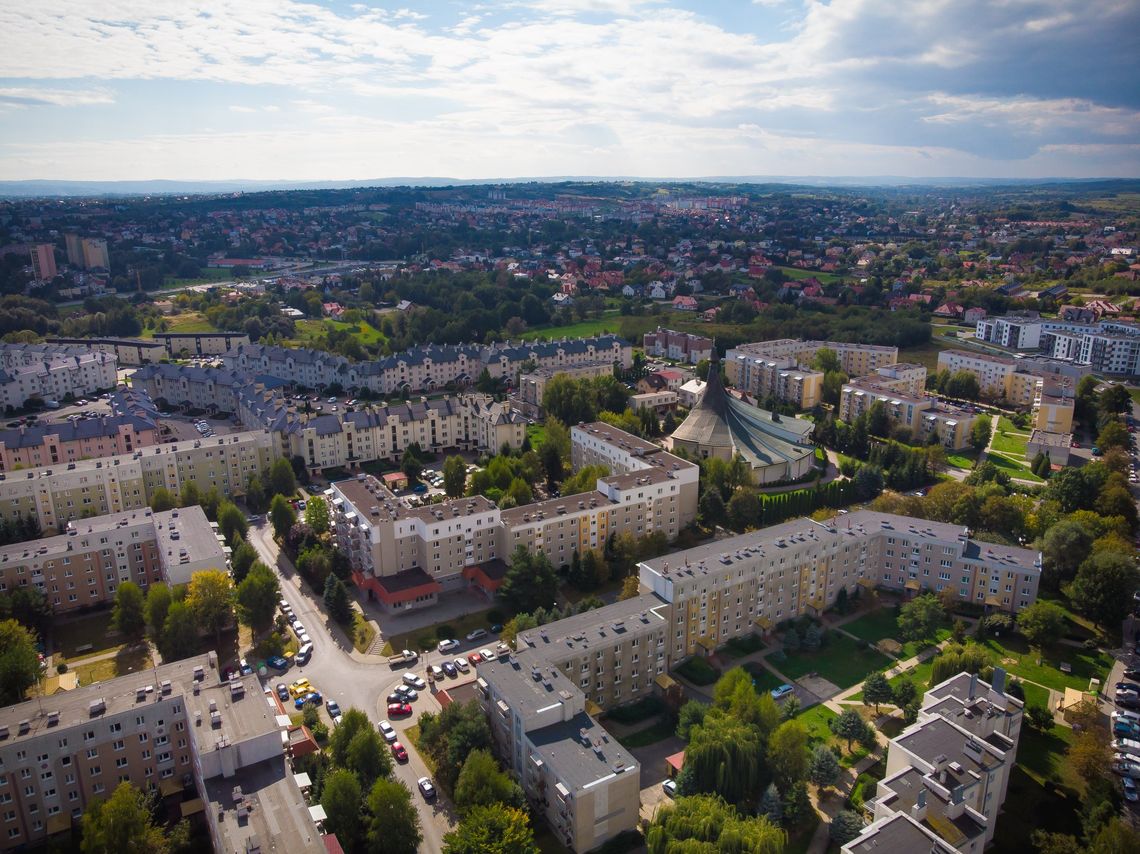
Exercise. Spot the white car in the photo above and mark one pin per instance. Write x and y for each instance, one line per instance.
(436, 672)
(387, 731)
(304, 639)
(448, 645)
(487, 654)
(462, 665)
(415, 681)
(1131, 717)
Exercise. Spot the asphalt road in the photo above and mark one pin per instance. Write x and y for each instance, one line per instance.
(338, 676)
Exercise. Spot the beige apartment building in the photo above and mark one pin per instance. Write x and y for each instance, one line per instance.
(766, 376)
(54, 495)
(129, 351)
(906, 377)
(1053, 413)
(169, 729)
(725, 589)
(55, 376)
(999, 377)
(84, 566)
(855, 359)
(532, 385)
(95, 256)
(201, 343)
(51, 444)
(920, 414)
(574, 774)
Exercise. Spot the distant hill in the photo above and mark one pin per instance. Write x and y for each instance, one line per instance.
(48, 187)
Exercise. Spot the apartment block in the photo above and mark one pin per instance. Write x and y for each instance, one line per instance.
(999, 377)
(55, 494)
(84, 566)
(428, 367)
(403, 557)
(129, 351)
(657, 401)
(921, 414)
(1053, 413)
(906, 377)
(1013, 333)
(201, 343)
(95, 255)
(173, 729)
(855, 359)
(724, 589)
(53, 374)
(532, 384)
(581, 780)
(43, 262)
(949, 771)
(781, 378)
(74, 250)
(680, 346)
(50, 444)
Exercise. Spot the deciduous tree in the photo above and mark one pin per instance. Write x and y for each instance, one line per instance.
(393, 822)
(340, 797)
(129, 616)
(19, 663)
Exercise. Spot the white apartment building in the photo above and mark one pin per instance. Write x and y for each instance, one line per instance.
(921, 414)
(999, 377)
(56, 375)
(1013, 333)
(765, 376)
(855, 359)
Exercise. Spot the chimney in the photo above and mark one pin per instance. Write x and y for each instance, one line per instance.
(999, 680)
(918, 811)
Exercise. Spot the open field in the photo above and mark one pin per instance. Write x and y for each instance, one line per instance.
(128, 660)
(841, 661)
(880, 624)
(1009, 439)
(310, 332)
(1015, 656)
(84, 637)
(795, 273)
(927, 354)
(187, 321)
(1012, 468)
(610, 322)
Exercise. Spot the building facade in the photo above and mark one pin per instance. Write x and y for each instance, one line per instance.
(43, 262)
(679, 346)
(999, 377)
(53, 373)
(920, 414)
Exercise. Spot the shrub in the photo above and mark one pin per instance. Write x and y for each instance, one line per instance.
(632, 713)
(61, 668)
(444, 631)
(320, 732)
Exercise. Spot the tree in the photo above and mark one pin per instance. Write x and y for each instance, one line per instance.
(797, 805)
(232, 523)
(211, 599)
(705, 823)
(823, 769)
(1090, 756)
(1039, 717)
(530, 583)
(336, 600)
(921, 617)
(412, 462)
(1042, 623)
(352, 721)
(690, 715)
(551, 460)
(122, 823)
(282, 480)
(255, 496)
(162, 499)
(492, 829)
(257, 596)
(282, 516)
(19, 663)
(845, 827)
(771, 807)
(1065, 547)
(744, 510)
(848, 726)
(190, 495)
(368, 757)
(241, 560)
(179, 637)
(482, 783)
(630, 587)
(787, 753)
(903, 693)
(394, 823)
(340, 796)
(1103, 588)
(980, 433)
(129, 616)
(877, 690)
(158, 599)
(454, 476)
(712, 508)
(726, 756)
(317, 515)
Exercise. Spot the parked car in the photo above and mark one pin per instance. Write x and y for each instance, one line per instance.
(245, 667)
(300, 688)
(477, 634)
(487, 655)
(448, 645)
(282, 693)
(407, 692)
(669, 787)
(415, 681)
(333, 708)
(313, 697)
(474, 658)
(436, 671)
(396, 697)
(399, 709)
(426, 788)
(781, 692)
(450, 669)
(461, 665)
(387, 731)
(278, 662)
(1130, 793)
(399, 752)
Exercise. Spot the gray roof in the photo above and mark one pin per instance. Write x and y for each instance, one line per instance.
(563, 747)
(73, 431)
(897, 834)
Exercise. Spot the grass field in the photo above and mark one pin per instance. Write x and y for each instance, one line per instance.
(1012, 468)
(919, 674)
(1016, 657)
(427, 637)
(1009, 439)
(130, 660)
(658, 731)
(537, 435)
(583, 329)
(363, 632)
(1044, 790)
(795, 273)
(187, 321)
(208, 276)
(310, 332)
(927, 354)
(94, 631)
(764, 679)
(962, 459)
(815, 720)
(843, 662)
(880, 624)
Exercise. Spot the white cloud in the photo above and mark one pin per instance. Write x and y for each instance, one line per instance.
(31, 95)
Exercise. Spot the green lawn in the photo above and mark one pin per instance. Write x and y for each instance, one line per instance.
(815, 720)
(880, 624)
(927, 354)
(919, 675)
(1035, 695)
(1015, 656)
(426, 638)
(363, 632)
(610, 322)
(310, 332)
(843, 662)
(962, 459)
(187, 321)
(130, 660)
(764, 678)
(698, 671)
(537, 435)
(1012, 468)
(652, 734)
(94, 631)
(1009, 439)
(795, 274)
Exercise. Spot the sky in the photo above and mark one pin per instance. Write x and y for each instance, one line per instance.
(299, 91)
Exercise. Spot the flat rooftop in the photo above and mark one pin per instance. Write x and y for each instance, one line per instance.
(898, 834)
(563, 746)
(187, 530)
(1048, 439)
(514, 678)
(367, 493)
(603, 626)
(937, 737)
(618, 438)
(279, 818)
(49, 546)
(541, 510)
(978, 354)
(244, 714)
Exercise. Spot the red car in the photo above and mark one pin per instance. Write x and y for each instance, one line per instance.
(399, 752)
(475, 658)
(395, 709)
